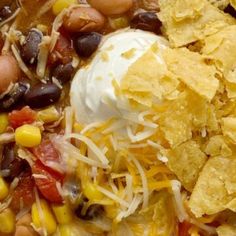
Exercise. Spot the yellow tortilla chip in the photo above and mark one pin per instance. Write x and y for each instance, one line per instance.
(231, 89)
(186, 161)
(217, 146)
(229, 128)
(176, 121)
(226, 230)
(222, 48)
(148, 79)
(188, 21)
(190, 68)
(215, 189)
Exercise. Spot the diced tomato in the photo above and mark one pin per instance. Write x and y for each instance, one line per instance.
(46, 152)
(20, 117)
(184, 229)
(47, 186)
(23, 195)
(62, 51)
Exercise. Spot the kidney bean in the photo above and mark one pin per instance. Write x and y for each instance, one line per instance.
(63, 73)
(84, 19)
(114, 7)
(147, 21)
(5, 13)
(9, 71)
(86, 44)
(42, 95)
(11, 100)
(30, 48)
(12, 162)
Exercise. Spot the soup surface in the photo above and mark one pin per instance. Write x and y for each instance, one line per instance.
(117, 118)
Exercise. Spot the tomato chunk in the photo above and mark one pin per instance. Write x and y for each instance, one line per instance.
(184, 228)
(46, 152)
(46, 181)
(62, 51)
(23, 193)
(20, 117)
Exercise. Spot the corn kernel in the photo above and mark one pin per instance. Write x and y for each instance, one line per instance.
(4, 190)
(91, 192)
(111, 211)
(48, 221)
(48, 115)
(63, 213)
(28, 136)
(77, 127)
(66, 230)
(7, 220)
(118, 23)
(59, 5)
(3, 123)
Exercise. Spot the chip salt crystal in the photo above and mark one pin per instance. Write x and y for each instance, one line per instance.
(93, 96)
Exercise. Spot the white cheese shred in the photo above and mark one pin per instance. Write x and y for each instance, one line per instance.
(22, 65)
(99, 154)
(131, 209)
(180, 210)
(144, 181)
(113, 196)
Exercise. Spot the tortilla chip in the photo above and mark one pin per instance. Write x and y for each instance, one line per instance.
(186, 161)
(148, 79)
(188, 21)
(222, 48)
(226, 230)
(229, 128)
(217, 146)
(176, 121)
(215, 188)
(190, 68)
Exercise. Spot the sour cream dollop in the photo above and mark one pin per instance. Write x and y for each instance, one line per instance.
(92, 92)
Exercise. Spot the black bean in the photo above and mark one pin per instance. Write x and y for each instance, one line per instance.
(11, 162)
(11, 100)
(86, 44)
(230, 10)
(147, 21)
(42, 95)
(92, 212)
(5, 13)
(63, 73)
(30, 48)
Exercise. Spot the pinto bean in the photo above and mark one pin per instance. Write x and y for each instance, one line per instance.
(84, 19)
(23, 227)
(9, 71)
(114, 7)
(25, 231)
(42, 95)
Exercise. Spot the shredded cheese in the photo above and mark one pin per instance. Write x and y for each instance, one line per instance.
(180, 210)
(144, 181)
(22, 65)
(140, 135)
(113, 196)
(99, 154)
(43, 56)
